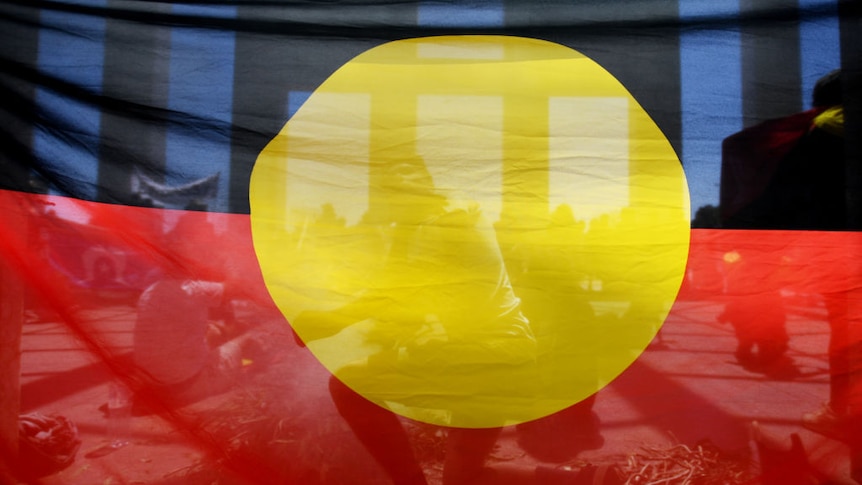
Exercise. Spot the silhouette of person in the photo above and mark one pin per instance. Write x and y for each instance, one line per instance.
(548, 280)
(785, 173)
(800, 185)
(440, 300)
(788, 173)
(755, 310)
(179, 340)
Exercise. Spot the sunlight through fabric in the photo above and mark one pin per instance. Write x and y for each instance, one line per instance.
(437, 219)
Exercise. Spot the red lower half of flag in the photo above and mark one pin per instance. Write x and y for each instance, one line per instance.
(151, 352)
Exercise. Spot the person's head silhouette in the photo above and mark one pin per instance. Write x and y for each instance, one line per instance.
(827, 90)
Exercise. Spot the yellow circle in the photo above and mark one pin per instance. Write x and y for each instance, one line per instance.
(472, 231)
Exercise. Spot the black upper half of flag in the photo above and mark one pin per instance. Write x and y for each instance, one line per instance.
(150, 103)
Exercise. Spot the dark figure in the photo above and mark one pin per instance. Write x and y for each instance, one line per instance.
(786, 173)
(755, 310)
(798, 183)
(409, 331)
(187, 341)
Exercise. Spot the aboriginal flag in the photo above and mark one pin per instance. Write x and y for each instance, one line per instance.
(433, 242)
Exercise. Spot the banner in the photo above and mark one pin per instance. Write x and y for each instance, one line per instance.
(472, 242)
